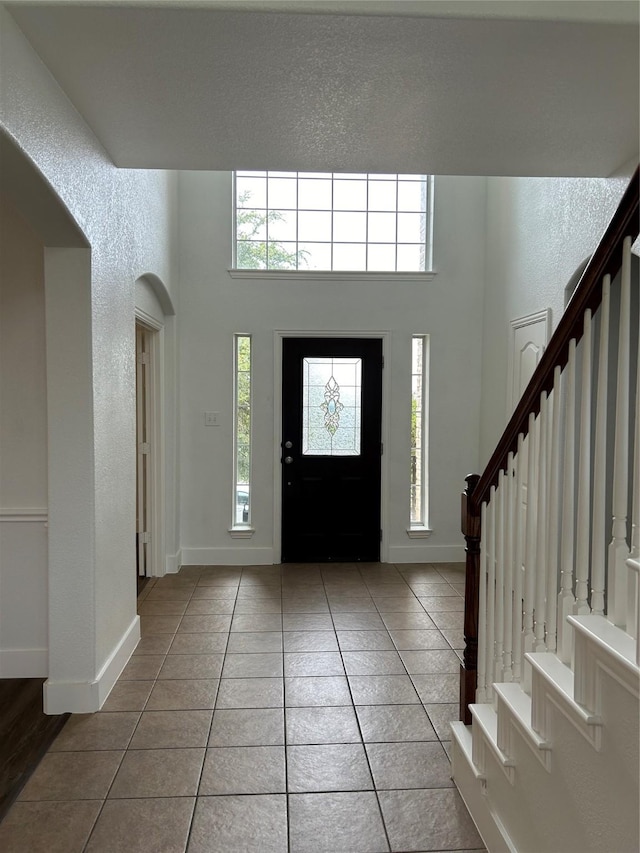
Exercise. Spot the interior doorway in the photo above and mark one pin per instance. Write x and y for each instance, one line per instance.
(143, 453)
(331, 449)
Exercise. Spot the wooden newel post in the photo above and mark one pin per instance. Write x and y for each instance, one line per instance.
(471, 531)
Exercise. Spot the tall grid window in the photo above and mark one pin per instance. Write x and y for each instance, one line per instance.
(332, 221)
(419, 429)
(242, 430)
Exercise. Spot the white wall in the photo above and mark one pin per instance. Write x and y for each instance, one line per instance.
(126, 218)
(213, 306)
(539, 231)
(23, 449)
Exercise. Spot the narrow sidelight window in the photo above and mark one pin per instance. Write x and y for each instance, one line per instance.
(419, 430)
(242, 431)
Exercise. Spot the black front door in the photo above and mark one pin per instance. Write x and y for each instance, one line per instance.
(331, 447)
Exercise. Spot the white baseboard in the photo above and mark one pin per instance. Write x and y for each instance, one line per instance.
(173, 563)
(85, 697)
(227, 556)
(24, 663)
(419, 551)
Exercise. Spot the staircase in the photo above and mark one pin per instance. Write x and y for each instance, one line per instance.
(546, 755)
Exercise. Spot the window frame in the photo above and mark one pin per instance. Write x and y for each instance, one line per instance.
(427, 274)
(241, 529)
(419, 528)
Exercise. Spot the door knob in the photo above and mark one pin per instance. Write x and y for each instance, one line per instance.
(288, 460)
(288, 445)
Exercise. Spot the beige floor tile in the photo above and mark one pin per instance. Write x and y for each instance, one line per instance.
(307, 622)
(250, 693)
(437, 687)
(438, 660)
(373, 663)
(162, 607)
(382, 690)
(150, 625)
(198, 644)
(142, 668)
(128, 696)
(409, 765)
(256, 622)
(204, 624)
(72, 776)
(158, 773)
(326, 823)
(259, 642)
(157, 644)
(172, 729)
(268, 665)
(449, 603)
(353, 641)
(313, 663)
(358, 622)
(441, 716)
(246, 606)
(247, 727)
(328, 767)
(405, 640)
(211, 606)
(322, 725)
(434, 819)
(96, 731)
(240, 824)
(391, 723)
(310, 641)
(182, 695)
(322, 690)
(191, 666)
(142, 826)
(48, 827)
(408, 621)
(243, 770)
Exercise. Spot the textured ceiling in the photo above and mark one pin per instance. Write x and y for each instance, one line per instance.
(210, 88)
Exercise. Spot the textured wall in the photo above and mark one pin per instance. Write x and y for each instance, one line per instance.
(126, 218)
(538, 232)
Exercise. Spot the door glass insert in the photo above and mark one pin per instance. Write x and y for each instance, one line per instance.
(331, 406)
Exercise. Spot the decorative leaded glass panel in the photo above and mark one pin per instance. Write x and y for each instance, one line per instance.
(331, 406)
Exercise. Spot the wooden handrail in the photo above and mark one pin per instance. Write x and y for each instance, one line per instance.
(607, 259)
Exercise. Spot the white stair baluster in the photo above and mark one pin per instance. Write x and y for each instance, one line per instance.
(583, 513)
(541, 545)
(553, 515)
(530, 550)
(618, 551)
(481, 688)
(491, 591)
(633, 596)
(565, 597)
(500, 560)
(518, 573)
(599, 520)
(507, 669)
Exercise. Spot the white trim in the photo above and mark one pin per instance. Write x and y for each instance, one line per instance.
(85, 697)
(259, 556)
(173, 563)
(24, 663)
(157, 455)
(419, 532)
(241, 532)
(39, 515)
(279, 336)
(331, 275)
(422, 553)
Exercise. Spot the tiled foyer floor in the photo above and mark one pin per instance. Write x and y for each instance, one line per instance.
(284, 709)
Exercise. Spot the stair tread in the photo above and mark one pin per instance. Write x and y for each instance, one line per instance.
(608, 636)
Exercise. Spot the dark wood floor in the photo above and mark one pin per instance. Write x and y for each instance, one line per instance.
(25, 734)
